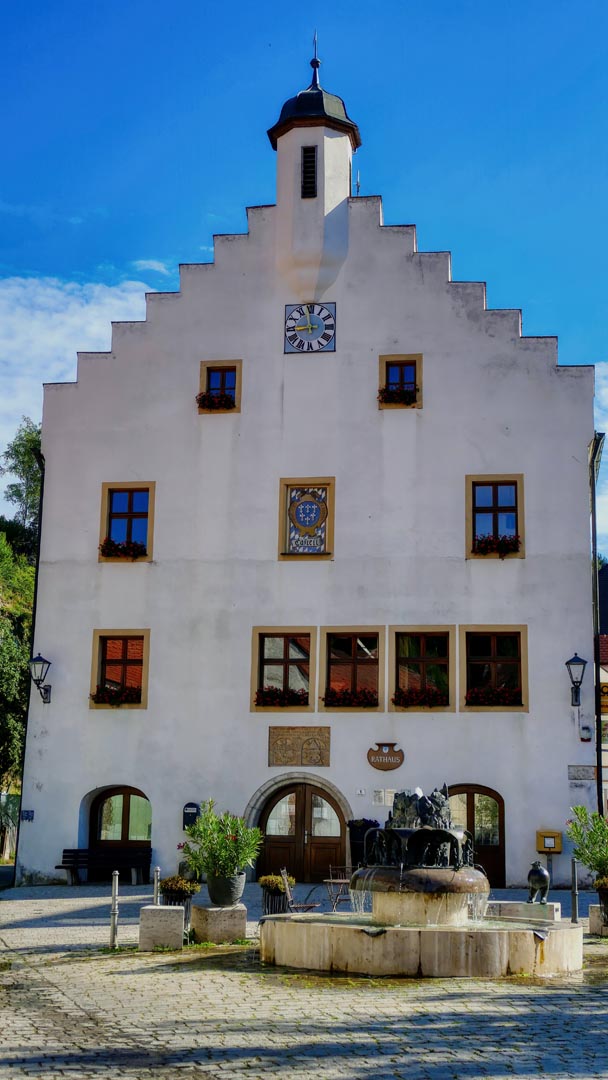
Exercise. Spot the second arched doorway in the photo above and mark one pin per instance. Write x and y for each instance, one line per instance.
(304, 830)
(120, 818)
(481, 810)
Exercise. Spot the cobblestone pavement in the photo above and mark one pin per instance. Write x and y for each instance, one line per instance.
(67, 1008)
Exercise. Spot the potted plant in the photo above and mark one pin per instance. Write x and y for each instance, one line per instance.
(357, 828)
(351, 699)
(274, 900)
(122, 549)
(428, 698)
(496, 545)
(588, 831)
(177, 891)
(117, 695)
(397, 395)
(492, 696)
(273, 697)
(221, 846)
(209, 399)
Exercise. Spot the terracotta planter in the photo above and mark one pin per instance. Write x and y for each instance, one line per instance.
(225, 891)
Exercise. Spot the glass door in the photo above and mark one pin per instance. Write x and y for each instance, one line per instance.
(482, 811)
(304, 831)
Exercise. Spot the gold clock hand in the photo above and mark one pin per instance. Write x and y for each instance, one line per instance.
(308, 317)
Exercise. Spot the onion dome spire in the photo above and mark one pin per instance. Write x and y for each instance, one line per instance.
(314, 107)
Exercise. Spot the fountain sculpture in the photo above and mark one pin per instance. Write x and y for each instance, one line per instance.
(420, 867)
(428, 903)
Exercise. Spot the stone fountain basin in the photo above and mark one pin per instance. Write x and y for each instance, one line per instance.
(359, 944)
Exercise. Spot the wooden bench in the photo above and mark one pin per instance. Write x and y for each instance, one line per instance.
(134, 860)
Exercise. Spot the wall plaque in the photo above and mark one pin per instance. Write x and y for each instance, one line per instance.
(299, 746)
(385, 757)
(581, 772)
(604, 696)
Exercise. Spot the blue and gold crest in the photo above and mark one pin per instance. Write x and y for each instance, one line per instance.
(307, 516)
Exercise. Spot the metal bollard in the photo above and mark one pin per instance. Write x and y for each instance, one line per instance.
(574, 917)
(156, 884)
(114, 911)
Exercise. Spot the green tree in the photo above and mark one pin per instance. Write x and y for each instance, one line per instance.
(16, 598)
(19, 459)
(22, 538)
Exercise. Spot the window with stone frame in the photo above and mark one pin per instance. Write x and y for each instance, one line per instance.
(127, 518)
(352, 670)
(495, 516)
(493, 669)
(422, 676)
(400, 381)
(220, 384)
(119, 672)
(283, 670)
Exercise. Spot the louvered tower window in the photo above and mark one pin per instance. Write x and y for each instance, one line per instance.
(309, 172)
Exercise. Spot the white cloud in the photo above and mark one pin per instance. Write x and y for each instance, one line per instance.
(43, 323)
(155, 265)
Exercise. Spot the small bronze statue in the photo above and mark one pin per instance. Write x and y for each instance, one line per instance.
(538, 881)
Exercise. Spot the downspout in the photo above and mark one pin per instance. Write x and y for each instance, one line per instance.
(39, 456)
(595, 457)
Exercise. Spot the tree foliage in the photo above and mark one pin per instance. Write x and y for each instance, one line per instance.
(16, 598)
(22, 538)
(19, 459)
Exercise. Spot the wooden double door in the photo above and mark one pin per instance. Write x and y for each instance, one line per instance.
(482, 811)
(304, 830)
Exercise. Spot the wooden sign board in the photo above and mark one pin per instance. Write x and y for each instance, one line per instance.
(385, 757)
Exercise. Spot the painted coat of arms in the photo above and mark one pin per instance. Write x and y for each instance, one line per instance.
(307, 512)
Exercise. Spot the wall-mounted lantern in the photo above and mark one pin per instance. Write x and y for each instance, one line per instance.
(39, 668)
(576, 669)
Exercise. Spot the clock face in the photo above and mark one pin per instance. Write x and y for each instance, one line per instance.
(310, 328)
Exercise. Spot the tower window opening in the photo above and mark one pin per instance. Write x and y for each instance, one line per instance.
(309, 172)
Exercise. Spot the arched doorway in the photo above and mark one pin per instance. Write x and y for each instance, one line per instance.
(304, 830)
(119, 817)
(482, 811)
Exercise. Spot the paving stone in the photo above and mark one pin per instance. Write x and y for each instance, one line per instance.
(70, 1010)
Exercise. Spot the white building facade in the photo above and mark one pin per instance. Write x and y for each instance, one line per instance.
(371, 532)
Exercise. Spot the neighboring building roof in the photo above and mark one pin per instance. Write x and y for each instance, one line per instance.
(604, 650)
(313, 107)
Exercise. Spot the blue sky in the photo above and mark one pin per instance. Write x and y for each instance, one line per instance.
(133, 131)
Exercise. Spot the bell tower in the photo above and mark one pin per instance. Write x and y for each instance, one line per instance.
(315, 140)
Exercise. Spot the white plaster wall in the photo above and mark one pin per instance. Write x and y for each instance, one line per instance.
(493, 402)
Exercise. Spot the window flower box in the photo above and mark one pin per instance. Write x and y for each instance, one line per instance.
(397, 395)
(493, 695)
(496, 545)
(351, 699)
(271, 697)
(115, 696)
(209, 400)
(428, 698)
(125, 549)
